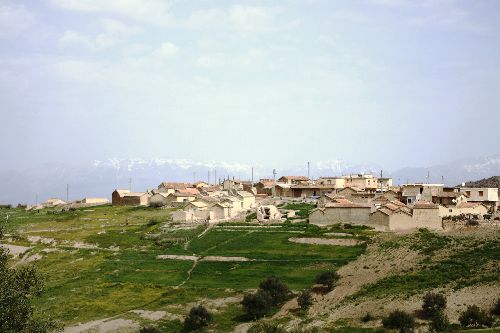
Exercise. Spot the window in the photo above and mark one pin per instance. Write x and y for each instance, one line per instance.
(481, 193)
(450, 210)
(468, 193)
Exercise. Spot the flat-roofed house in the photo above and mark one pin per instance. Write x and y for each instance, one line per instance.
(334, 182)
(449, 198)
(222, 210)
(412, 193)
(294, 180)
(95, 201)
(485, 195)
(247, 198)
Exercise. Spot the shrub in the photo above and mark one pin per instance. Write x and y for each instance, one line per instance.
(258, 304)
(496, 308)
(367, 317)
(474, 317)
(198, 318)
(149, 329)
(399, 320)
(305, 299)
(328, 279)
(266, 327)
(278, 291)
(154, 221)
(439, 322)
(433, 303)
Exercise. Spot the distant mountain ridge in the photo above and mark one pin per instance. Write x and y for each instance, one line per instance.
(100, 177)
(486, 182)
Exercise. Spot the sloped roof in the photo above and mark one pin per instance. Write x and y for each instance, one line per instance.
(447, 195)
(345, 204)
(424, 205)
(295, 177)
(245, 194)
(469, 204)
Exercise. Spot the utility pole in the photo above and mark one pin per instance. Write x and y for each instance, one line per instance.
(309, 170)
(442, 180)
(428, 175)
(215, 177)
(67, 192)
(130, 184)
(194, 177)
(36, 199)
(380, 180)
(252, 176)
(274, 183)
(208, 179)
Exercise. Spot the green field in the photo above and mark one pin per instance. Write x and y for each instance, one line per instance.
(115, 270)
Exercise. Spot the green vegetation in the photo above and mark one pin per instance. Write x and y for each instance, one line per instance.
(102, 261)
(474, 317)
(197, 319)
(305, 299)
(328, 279)
(462, 262)
(399, 320)
(303, 210)
(433, 303)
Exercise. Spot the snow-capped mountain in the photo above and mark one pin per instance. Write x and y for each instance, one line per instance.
(99, 178)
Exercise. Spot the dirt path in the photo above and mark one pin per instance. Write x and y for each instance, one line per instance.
(111, 324)
(326, 241)
(195, 262)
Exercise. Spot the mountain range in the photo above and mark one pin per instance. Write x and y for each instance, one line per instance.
(99, 178)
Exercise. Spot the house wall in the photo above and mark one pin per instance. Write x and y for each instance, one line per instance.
(379, 221)
(334, 182)
(489, 194)
(427, 218)
(157, 199)
(95, 201)
(333, 215)
(400, 221)
(454, 211)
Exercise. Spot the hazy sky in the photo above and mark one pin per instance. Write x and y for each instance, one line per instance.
(394, 82)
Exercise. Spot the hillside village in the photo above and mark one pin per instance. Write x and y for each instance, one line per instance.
(358, 199)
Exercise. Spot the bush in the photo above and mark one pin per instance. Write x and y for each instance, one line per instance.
(258, 304)
(399, 320)
(328, 279)
(305, 299)
(439, 322)
(496, 308)
(366, 318)
(150, 329)
(433, 303)
(278, 291)
(474, 317)
(266, 327)
(198, 318)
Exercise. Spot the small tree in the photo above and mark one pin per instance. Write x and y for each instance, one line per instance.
(278, 291)
(496, 308)
(258, 304)
(367, 317)
(439, 322)
(399, 320)
(433, 303)
(305, 299)
(198, 318)
(328, 279)
(474, 317)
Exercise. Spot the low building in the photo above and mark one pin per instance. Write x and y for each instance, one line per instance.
(486, 195)
(52, 202)
(335, 182)
(294, 180)
(127, 198)
(448, 198)
(179, 197)
(247, 198)
(158, 199)
(341, 212)
(393, 216)
(464, 208)
(426, 215)
(95, 201)
(412, 193)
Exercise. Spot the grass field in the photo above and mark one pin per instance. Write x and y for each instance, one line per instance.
(101, 262)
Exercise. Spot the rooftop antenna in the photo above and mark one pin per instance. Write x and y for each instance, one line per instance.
(428, 175)
(309, 170)
(274, 182)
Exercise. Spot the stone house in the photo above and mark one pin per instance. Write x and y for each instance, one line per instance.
(426, 215)
(340, 212)
(485, 195)
(95, 201)
(247, 198)
(127, 198)
(179, 197)
(449, 198)
(465, 208)
(158, 199)
(412, 193)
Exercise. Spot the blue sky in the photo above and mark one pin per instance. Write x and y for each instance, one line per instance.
(394, 82)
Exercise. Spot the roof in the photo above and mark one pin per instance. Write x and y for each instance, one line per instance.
(135, 194)
(198, 204)
(448, 195)
(354, 188)
(174, 185)
(424, 205)
(190, 190)
(345, 204)
(295, 177)
(245, 194)
(182, 194)
(121, 193)
(223, 204)
(469, 204)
